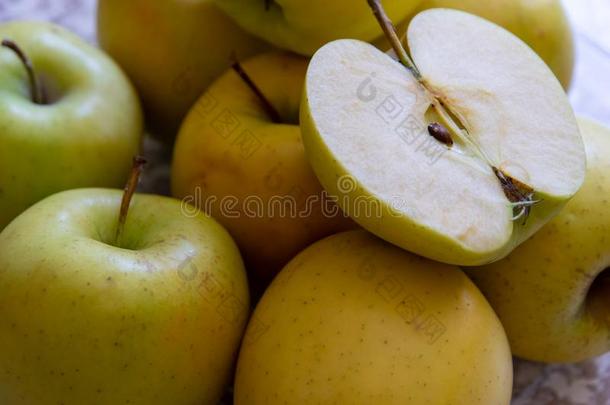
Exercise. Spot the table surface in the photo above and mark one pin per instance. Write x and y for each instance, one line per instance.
(586, 383)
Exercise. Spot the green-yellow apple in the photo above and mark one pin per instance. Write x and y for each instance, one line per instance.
(84, 130)
(464, 149)
(553, 292)
(152, 314)
(355, 320)
(542, 24)
(247, 168)
(172, 50)
(303, 26)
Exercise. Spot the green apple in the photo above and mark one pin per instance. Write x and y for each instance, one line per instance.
(303, 26)
(82, 134)
(355, 320)
(460, 153)
(172, 50)
(553, 292)
(542, 24)
(238, 145)
(151, 316)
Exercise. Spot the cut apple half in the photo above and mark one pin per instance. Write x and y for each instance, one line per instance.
(459, 157)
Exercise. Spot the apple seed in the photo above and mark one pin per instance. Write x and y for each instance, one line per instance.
(440, 133)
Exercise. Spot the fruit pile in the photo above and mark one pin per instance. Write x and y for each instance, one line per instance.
(361, 212)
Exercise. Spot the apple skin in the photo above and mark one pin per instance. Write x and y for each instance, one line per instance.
(303, 26)
(212, 164)
(552, 293)
(86, 136)
(85, 322)
(355, 320)
(542, 24)
(172, 50)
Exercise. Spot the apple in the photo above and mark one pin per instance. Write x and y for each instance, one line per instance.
(145, 310)
(239, 156)
(553, 292)
(542, 24)
(69, 116)
(355, 320)
(459, 152)
(303, 26)
(172, 50)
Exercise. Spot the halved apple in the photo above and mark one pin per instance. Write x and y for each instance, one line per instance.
(459, 156)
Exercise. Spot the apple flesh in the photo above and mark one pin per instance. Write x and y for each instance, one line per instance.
(553, 292)
(303, 26)
(156, 319)
(355, 320)
(367, 122)
(229, 149)
(172, 50)
(86, 133)
(542, 24)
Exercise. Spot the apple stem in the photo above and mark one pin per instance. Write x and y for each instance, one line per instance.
(390, 33)
(35, 89)
(268, 4)
(129, 190)
(269, 108)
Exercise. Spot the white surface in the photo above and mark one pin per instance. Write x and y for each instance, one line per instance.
(590, 92)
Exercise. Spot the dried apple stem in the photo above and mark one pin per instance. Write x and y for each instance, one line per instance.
(35, 88)
(130, 189)
(390, 33)
(269, 108)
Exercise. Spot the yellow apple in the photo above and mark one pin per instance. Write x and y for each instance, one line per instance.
(153, 317)
(553, 293)
(172, 50)
(303, 26)
(228, 149)
(355, 320)
(542, 24)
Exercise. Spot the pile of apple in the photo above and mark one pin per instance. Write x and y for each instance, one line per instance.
(281, 267)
